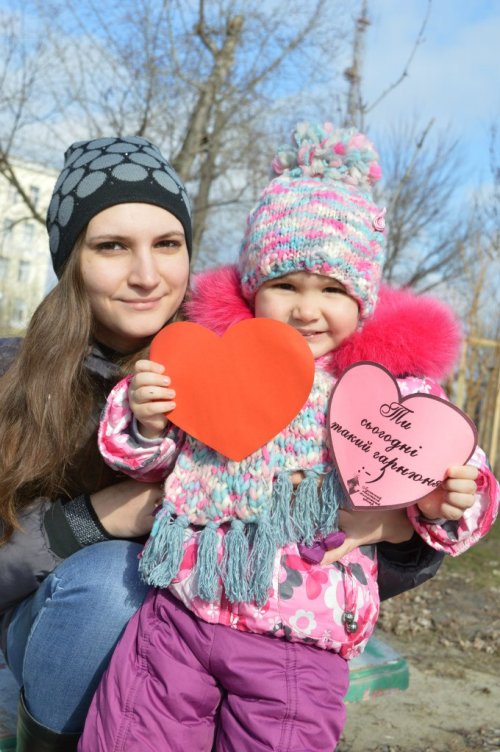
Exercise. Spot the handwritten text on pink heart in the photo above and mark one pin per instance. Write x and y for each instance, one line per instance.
(391, 450)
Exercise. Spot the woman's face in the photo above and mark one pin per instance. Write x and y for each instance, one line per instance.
(135, 269)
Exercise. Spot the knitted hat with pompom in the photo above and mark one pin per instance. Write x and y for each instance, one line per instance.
(318, 215)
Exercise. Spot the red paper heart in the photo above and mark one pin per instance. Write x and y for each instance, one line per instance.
(368, 416)
(235, 392)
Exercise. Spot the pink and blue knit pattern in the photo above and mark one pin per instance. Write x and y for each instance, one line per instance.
(256, 496)
(206, 486)
(318, 215)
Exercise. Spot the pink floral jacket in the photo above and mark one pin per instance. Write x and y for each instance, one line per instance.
(333, 607)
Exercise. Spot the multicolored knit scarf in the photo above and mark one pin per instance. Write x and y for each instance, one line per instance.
(253, 500)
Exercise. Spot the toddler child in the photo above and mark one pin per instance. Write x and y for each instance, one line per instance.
(242, 627)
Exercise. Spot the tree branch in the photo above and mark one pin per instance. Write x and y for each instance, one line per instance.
(419, 40)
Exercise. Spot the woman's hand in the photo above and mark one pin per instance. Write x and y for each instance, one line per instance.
(126, 509)
(150, 397)
(366, 527)
(453, 497)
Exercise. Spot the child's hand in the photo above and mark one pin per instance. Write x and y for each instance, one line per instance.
(150, 398)
(365, 527)
(453, 497)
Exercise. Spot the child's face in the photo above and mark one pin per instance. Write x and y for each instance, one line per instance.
(318, 307)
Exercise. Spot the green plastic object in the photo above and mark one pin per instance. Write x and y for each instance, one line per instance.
(377, 670)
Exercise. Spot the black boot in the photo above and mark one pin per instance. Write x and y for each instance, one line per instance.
(32, 737)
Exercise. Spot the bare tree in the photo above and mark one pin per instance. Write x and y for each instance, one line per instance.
(492, 204)
(428, 237)
(490, 233)
(213, 84)
(428, 230)
(356, 108)
(195, 77)
(19, 79)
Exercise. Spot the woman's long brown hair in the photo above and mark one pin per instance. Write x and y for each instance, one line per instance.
(48, 403)
(46, 399)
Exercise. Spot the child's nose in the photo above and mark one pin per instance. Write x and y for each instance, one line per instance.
(306, 310)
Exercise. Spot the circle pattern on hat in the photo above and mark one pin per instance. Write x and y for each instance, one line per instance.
(90, 184)
(166, 180)
(90, 164)
(86, 158)
(131, 172)
(65, 211)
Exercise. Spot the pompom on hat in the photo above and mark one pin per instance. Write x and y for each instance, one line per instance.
(318, 215)
(104, 172)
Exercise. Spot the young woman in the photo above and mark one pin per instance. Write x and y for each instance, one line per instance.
(120, 238)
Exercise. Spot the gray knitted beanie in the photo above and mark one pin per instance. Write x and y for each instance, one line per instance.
(104, 172)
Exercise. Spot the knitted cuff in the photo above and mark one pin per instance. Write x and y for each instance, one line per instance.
(84, 522)
(139, 439)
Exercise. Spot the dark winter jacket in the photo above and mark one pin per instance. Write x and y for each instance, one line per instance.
(51, 530)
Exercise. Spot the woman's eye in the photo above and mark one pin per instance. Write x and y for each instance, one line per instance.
(109, 245)
(168, 243)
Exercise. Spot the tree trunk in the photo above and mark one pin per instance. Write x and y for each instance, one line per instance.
(197, 130)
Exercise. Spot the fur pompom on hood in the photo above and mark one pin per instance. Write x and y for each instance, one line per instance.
(408, 334)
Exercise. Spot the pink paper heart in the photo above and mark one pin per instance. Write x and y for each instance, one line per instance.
(390, 450)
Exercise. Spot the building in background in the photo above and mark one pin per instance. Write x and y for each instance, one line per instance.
(25, 268)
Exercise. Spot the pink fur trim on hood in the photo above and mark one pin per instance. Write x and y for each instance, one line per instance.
(408, 334)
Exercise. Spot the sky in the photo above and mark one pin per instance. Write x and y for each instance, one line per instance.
(454, 74)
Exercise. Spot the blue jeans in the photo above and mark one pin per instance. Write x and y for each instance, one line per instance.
(61, 638)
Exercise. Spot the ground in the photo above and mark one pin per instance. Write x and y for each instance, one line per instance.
(449, 630)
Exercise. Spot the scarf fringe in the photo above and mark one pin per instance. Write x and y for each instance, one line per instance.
(206, 566)
(281, 516)
(162, 556)
(250, 548)
(332, 496)
(235, 563)
(261, 560)
(306, 509)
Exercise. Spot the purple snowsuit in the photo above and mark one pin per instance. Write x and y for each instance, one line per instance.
(179, 675)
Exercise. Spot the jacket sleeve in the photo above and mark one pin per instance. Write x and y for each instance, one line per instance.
(124, 449)
(403, 566)
(27, 558)
(445, 535)
(456, 537)
(49, 532)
